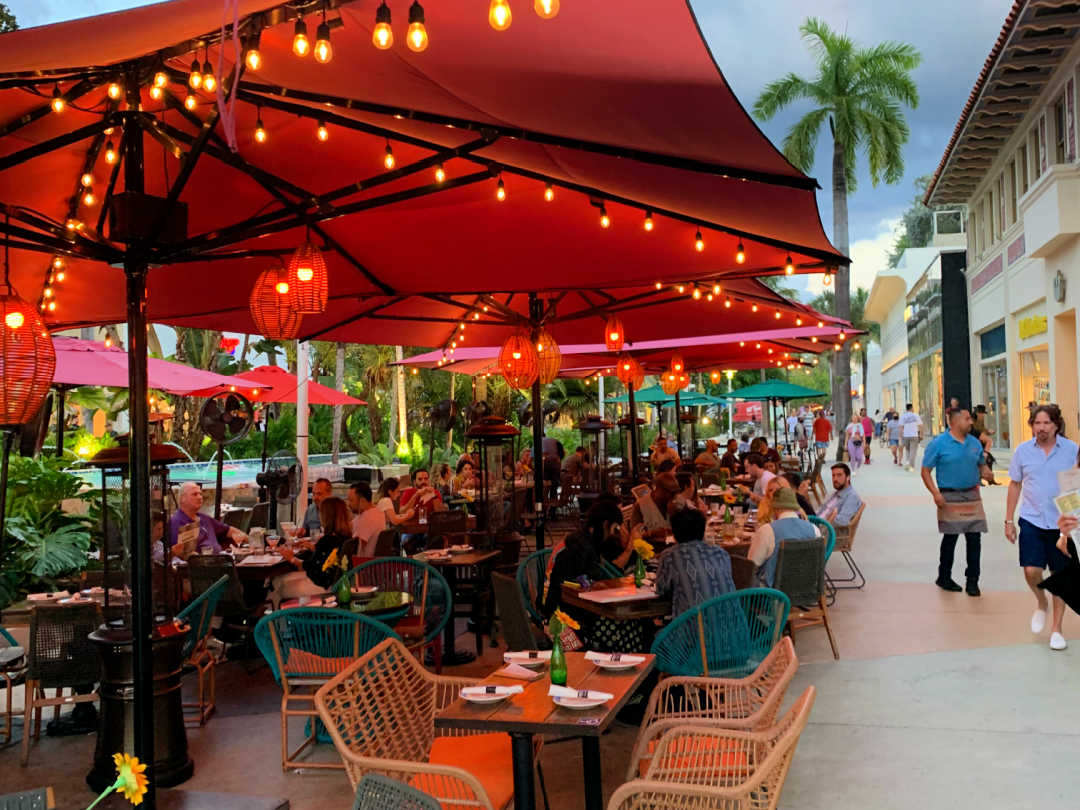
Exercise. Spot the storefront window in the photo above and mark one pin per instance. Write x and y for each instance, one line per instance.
(1035, 378)
(996, 399)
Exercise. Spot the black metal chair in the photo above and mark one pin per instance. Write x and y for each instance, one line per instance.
(743, 572)
(260, 515)
(239, 608)
(386, 544)
(800, 573)
(61, 656)
(447, 528)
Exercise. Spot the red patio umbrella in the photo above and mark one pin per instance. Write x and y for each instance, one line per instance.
(278, 385)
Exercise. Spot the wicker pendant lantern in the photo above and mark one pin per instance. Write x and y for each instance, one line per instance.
(670, 382)
(629, 372)
(678, 365)
(548, 355)
(27, 357)
(273, 305)
(307, 277)
(614, 336)
(518, 361)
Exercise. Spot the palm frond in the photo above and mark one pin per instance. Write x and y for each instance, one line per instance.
(782, 92)
(800, 143)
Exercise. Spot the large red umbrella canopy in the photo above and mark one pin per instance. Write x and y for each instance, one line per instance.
(616, 104)
(278, 385)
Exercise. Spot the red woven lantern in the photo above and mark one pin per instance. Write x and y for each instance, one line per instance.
(27, 360)
(629, 372)
(671, 382)
(678, 366)
(518, 361)
(614, 336)
(548, 356)
(273, 305)
(307, 275)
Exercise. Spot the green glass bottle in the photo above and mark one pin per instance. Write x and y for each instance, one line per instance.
(558, 663)
(639, 572)
(344, 593)
(728, 516)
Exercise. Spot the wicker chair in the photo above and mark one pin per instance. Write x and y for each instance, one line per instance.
(743, 572)
(800, 573)
(377, 792)
(845, 541)
(239, 614)
(817, 484)
(516, 628)
(749, 704)
(380, 712)
(710, 768)
(12, 673)
(305, 647)
(199, 614)
(61, 656)
(531, 576)
(432, 606)
(724, 637)
(36, 799)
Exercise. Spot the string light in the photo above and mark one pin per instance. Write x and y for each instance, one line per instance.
(114, 90)
(659, 285)
(826, 280)
(190, 101)
(252, 57)
(798, 321)
(777, 314)
(813, 339)
(753, 307)
(52, 306)
(301, 45)
(699, 243)
(549, 192)
(260, 130)
(156, 93)
(388, 157)
(322, 133)
(57, 262)
(740, 254)
(87, 179)
(110, 153)
(821, 324)
(856, 345)
(605, 220)
(209, 83)
(89, 198)
(500, 190)
(716, 289)
(440, 173)
(648, 226)
(680, 289)
(417, 38)
(194, 78)
(381, 35)
(789, 267)
(709, 297)
(499, 15)
(546, 9)
(57, 99)
(696, 294)
(727, 303)
(323, 52)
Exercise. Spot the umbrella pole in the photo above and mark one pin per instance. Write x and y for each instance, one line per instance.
(678, 424)
(217, 492)
(60, 390)
(9, 436)
(633, 435)
(535, 311)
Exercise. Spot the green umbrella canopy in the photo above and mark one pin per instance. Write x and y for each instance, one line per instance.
(773, 389)
(655, 394)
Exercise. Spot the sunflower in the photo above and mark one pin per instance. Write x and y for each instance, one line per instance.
(729, 499)
(331, 561)
(644, 549)
(130, 777)
(565, 621)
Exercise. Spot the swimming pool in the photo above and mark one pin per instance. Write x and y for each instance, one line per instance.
(235, 471)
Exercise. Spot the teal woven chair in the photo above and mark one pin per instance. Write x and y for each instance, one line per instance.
(827, 531)
(432, 602)
(200, 615)
(305, 648)
(726, 637)
(531, 575)
(378, 792)
(611, 570)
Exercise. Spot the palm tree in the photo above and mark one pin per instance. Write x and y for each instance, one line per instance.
(860, 92)
(826, 301)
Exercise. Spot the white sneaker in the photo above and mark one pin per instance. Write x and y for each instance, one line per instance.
(1038, 621)
(1057, 641)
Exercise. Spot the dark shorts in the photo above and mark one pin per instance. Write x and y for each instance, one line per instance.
(1038, 547)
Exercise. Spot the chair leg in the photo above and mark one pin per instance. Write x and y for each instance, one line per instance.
(436, 650)
(284, 736)
(828, 627)
(28, 710)
(543, 787)
(856, 575)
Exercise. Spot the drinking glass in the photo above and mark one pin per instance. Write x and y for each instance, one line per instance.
(271, 541)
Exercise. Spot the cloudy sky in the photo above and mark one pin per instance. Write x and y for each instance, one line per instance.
(755, 42)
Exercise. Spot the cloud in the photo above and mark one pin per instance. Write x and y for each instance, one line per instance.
(868, 257)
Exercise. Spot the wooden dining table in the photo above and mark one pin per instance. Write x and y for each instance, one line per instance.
(534, 712)
(614, 599)
(449, 566)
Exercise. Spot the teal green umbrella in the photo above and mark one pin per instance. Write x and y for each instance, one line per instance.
(773, 391)
(654, 395)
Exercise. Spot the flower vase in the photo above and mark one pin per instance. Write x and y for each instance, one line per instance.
(558, 663)
(639, 572)
(728, 516)
(344, 593)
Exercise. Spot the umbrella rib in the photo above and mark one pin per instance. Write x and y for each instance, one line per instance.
(73, 93)
(640, 155)
(114, 175)
(60, 141)
(355, 317)
(82, 248)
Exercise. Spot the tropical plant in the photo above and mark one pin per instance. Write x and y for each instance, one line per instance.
(573, 399)
(858, 320)
(860, 92)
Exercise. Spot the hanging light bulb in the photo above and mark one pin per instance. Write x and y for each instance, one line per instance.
(321, 132)
(190, 101)
(789, 266)
(301, 46)
(323, 52)
(699, 243)
(161, 78)
(546, 9)
(209, 83)
(753, 307)
(57, 99)
(696, 294)
(110, 153)
(388, 157)
(252, 57)
(740, 254)
(605, 220)
(194, 78)
(260, 130)
(89, 198)
(648, 223)
(659, 286)
(417, 38)
(114, 90)
(798, 321)
(499, 15)
(826, 280)
(156, 93)
(52, 306)
(381, 35)
(777, 314)
(727, 303)
(680, 288)
(549, 193)
(57, 262)
(87, 179)
(440, 174)
(500, 190)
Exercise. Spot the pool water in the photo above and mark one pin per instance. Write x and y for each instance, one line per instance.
(235, 472)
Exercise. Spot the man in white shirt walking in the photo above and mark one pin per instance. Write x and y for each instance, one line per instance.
(910, 435)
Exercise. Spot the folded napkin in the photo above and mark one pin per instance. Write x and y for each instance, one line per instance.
(586, 694)
(527, 655)
(513, 670)
(614, 657)
(480, 691)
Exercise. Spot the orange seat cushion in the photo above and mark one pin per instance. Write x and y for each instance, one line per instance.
(719, 757)
(303, 663)
(486, 756)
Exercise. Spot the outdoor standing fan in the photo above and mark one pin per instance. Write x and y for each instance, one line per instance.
(281, 485)
(226, 418)
(441, 417)
(549, 409)
(476, 411)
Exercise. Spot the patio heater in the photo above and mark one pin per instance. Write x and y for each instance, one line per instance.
(495, 440)
(628, 431)
(595, 481)
(688, 417)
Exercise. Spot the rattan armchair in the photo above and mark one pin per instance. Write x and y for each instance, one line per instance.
(710, 768)
(845, 541)
(380, 712)
(377, 792)
(749, 703)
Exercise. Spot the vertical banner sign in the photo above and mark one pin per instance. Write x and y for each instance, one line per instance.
(1070, 121)
(1042, 144)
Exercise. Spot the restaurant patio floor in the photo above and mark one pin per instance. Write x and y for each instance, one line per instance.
(939, 700)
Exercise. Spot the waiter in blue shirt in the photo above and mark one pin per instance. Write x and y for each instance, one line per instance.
(957, 457)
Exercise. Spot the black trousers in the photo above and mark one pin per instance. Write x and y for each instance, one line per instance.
(948, 551)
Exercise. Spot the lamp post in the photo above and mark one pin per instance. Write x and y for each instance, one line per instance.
(730, 374)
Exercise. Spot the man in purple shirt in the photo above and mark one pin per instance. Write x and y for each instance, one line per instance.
(212, 533)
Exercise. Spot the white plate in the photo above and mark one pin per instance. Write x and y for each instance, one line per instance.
(616, 665)
(484, 698)
(578, 703)
(460, 549)
(522, 659)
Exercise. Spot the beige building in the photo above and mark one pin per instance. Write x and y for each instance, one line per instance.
(1013, 161)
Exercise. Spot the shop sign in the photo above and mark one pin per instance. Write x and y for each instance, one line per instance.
(1031, 326)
